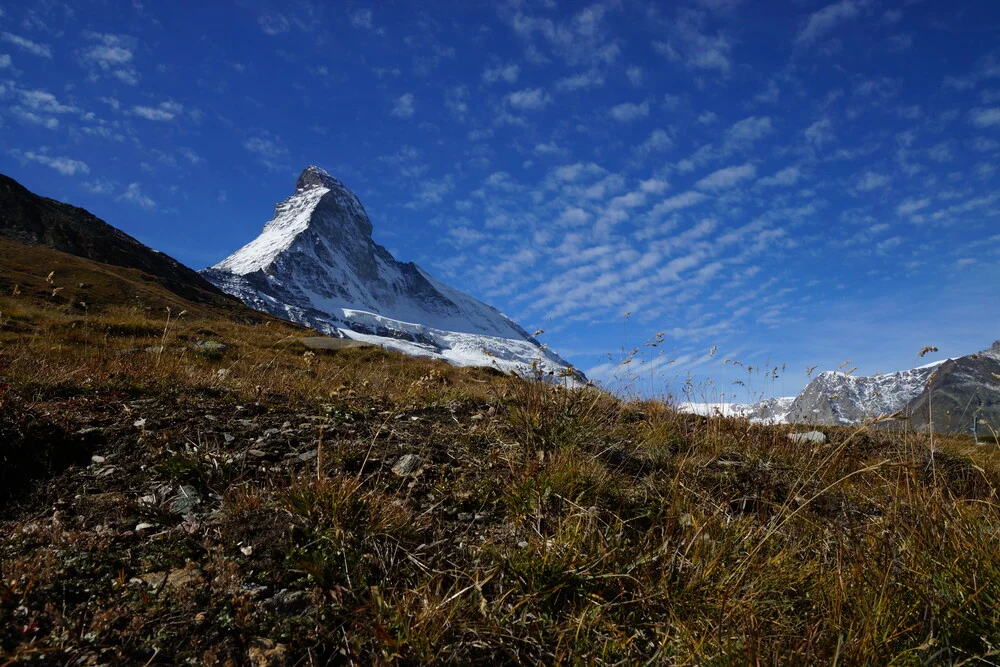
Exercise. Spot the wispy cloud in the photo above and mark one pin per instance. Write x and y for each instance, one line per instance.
(273, 23)
(270, 152)
(985, 117)
(694, 48)
(584, 80)
(629, 111)
(134, 195)
(727, 177)
(508, 73)
(787, 176)
(365, 19)
(34, 48)
(529, 99)
(820, 22)
(64, 165)
(164, 111)
(111, 56)
(404, 107)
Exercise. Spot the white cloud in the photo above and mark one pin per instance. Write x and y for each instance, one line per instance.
(629, 111)
(635, 75)
(676, 203)
(911, 206)
(885, 246)
(591, 79)
(984, 144)
(581, 39)
(872, 180)
(4, 60)
(573, 217)
(165, 111)
(31, 117)
(727, 177)
(658, 140)
(985, 117)
(404, 106)
(707, 117)
(40, 50)
(823, 21)
(549, 148)
(530, 99)
(189, 155)
(365, 19)
(692, 47)
(270, 152)
(508, 73)
(46, 102)
(133, 194)
(749, 130)
(273, 23)
(457, 101)
(111, 56)
(787, 176)
(820, 133)
(64, 165)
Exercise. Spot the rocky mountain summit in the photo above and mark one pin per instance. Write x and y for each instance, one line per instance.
(836, 398)
(963, 396)
(316, 263)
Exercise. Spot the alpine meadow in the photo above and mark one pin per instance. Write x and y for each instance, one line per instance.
(527, 332)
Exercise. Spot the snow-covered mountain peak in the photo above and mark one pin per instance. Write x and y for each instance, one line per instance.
(316, 263)
(321, 205)
(313, 176)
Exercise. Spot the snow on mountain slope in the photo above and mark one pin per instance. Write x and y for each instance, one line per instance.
(768, 411)
(836, 398)
(316, 263)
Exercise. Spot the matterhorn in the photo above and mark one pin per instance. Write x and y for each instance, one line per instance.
(316, 264)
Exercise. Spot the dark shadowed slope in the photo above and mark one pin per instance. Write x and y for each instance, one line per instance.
(35, 220)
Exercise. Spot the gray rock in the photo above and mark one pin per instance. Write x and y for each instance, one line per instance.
(212, 349)
(187, 501)
(407, 465)
(963, 396)
(810, 436)
(287, 602)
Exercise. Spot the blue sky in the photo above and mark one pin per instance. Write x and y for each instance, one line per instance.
(799, 183)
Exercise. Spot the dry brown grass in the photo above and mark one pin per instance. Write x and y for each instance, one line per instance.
(545, 525)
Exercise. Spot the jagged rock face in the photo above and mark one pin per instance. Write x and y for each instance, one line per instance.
(961, 392)
(316, 263)
(839, 399)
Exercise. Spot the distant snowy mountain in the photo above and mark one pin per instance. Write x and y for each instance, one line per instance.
(315, 263)
(834, 398)
(767, 411)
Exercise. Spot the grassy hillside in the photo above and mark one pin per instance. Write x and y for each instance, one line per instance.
(196, 488)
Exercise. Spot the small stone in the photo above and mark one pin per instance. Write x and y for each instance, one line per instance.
(187, 500)
(407, 465)
(308, 456)
(143, 526)
(247, 550)
(97, 459)
(228, 438)
(139, 423)
(811, 436)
